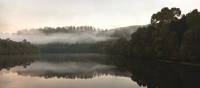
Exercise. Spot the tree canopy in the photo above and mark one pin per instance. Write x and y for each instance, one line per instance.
(170, 36)
(9, 47)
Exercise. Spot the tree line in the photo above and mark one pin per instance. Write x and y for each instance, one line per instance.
(171, 35)
(9, 47)
(66, 29)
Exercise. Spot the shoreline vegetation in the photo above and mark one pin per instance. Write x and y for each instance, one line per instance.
(9, 47)
(170, 36)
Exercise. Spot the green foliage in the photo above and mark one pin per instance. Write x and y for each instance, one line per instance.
(166, 15)
(9, 47)
(170, 36)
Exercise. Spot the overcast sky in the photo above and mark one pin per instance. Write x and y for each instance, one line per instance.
(23, 14)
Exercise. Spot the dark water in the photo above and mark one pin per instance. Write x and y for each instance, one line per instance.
(94, 71)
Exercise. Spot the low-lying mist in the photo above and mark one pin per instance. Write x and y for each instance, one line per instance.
(69, 38)
(70, 34)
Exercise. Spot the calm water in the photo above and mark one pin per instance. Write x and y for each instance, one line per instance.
(63, 71)
(93, 71)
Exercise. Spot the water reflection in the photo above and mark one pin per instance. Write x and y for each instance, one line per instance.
(161, 74)
(94, 71)
(7, 62)
(66, 72)
(69, 70)
(13, 80)
(86, 57)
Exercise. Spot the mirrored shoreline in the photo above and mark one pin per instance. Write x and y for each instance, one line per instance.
(90, 69)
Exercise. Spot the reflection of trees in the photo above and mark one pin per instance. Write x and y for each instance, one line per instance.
(89, 60)
(7, 62)
(74, 75)
(86, 57)
(156, 74)
(150, 73)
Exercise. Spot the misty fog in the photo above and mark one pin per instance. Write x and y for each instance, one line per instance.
(69, 38)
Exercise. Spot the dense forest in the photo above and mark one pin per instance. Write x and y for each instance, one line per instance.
(9, 47)
(170, 36)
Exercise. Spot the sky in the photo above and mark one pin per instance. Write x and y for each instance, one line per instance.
(25, 14)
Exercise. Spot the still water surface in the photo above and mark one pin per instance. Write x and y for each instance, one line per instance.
(94, 71)
(65, 71)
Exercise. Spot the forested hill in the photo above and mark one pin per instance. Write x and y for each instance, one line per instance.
(125, 32)
(121, 32)
(9, 47)
(71, 39)
(171, 35)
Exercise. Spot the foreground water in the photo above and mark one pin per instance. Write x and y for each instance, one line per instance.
(64, 75)
(63, 71)
(93, 71)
